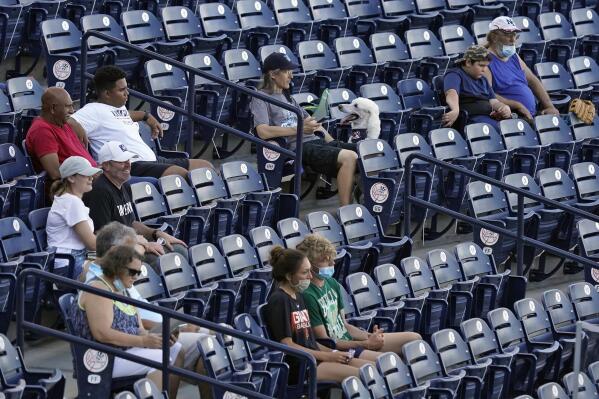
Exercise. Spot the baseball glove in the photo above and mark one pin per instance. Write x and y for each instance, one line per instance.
(584, 110)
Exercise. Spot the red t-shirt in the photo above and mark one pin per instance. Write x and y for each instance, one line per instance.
(45, 138)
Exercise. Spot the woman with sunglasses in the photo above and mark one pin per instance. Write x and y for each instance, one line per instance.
(512, 80)
(69, 228)
(112, 322)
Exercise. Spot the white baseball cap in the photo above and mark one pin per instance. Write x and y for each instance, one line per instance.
(505, 24)
(115, 151)
(77, 165)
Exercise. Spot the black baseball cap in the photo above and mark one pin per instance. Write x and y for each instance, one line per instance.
(278, 60)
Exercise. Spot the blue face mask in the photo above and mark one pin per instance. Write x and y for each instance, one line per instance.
(118, 284)
(95, 269)
(507, 50)
(326, 271)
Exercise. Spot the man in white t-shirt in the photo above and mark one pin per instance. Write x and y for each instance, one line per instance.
(109, 120)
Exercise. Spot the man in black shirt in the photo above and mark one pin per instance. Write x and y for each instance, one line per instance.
(110, 200)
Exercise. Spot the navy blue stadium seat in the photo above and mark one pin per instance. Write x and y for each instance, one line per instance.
(427, 108)
(397, 377)
(393, 116)
(588, 133)
(451, 15)
(585, 72)
(333, 18)
(580, 384)
(551, 390)
(480, 30)
(588, 246)
(149, 285)
(353, 388)
(554, 132)
(389, 48)
(292, 231)
(532, 47)
(586, 302)
(150, 207)
(316, 55)
(25, 94)
(298, 22)
(264, 239)
(8, 282)
(423, 43)
(146, 389)
(586, 27)
(13, 26)
(543, 359)
(247, 323)
(353, 52)
(529, 156)
(373, 381)
(557, 81)
(9, 120)
(256, 17)
(425, 367)
(484, 140)
(557, 30)
(455, 38)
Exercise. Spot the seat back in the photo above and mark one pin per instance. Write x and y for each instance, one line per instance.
(552, 129)
(142, 27)
(487, 201)
(551, 390)
(584, 70)
(13, 163)
(240, 178)
(581, 384)
(239, 254)
(267, 50)
(524, 182)
(358, 223)
(353, 388)
(480, 30)
(557, 185)
(147, 201)
(180, 23)
(287, 11)
(8, 282)
(395, 373)
(217, 17)
(102, 23)
(507, 328)
(419, 275)
(37, 222)
(178, 194)
(25, 93)
(517, 133)
(392, 283)
(407, 143)
(455, 38)
(209, 263)
(586, 177)
(162, 78)
(383, 95)
(207, 63)
(352, 50)
(416, 93)
(422, 361)
(146, 389)
(177, 275)
(375, 156)
(473, 260)
(374, 382)
(448, 144)
(325, 224)
(560, 310)
(481, 340)
(388, 47)
(581, 130)
(585, 21)
(254, 13)
(316, 55)
(327, 9)
(149, 284)
(264, 239)
(423, 43)
(452, 349)
(364, 292)
(529, 31)
(534, 319)
(246, 323)
(61, 36)
(215, 359)
(588, 232)
(553, 76)
(208, 185)
(241, 65)
(586, 302)
(337, 97)
(292, 231)
(15, 238)
(483, 138)
(429, 6)
(445, 267)
(555, 26)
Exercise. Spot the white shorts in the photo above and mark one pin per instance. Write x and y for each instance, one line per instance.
(189, 344)
(127, 368)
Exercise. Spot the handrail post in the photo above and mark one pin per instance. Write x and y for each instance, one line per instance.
(165, 351)
(191, 96)
(20, 309)
(83, 83)
(407, 214)
(299, 144)
(519, 241)
(577, 354)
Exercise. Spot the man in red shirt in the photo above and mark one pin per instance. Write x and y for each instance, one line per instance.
(50, 140)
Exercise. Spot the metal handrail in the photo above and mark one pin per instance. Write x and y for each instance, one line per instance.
(521, 239)
(166, 314)
(192, 117)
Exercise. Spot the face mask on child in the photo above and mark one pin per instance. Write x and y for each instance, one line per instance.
(325, 272)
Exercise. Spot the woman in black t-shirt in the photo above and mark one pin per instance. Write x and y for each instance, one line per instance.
(288, 322)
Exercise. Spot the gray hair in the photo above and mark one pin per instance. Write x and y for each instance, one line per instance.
(114, 233)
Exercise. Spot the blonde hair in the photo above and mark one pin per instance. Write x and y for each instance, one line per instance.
(59, 187)
(267, 84)
(317, 249)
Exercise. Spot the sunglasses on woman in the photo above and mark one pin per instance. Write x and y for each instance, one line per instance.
(134, 272)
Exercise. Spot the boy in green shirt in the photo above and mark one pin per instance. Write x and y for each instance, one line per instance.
(325, 306)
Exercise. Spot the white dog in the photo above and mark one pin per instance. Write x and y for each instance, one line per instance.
(363, 115)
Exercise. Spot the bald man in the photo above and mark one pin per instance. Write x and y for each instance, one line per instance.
(50, 140)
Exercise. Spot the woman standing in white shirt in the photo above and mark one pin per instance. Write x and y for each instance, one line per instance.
(69, 227)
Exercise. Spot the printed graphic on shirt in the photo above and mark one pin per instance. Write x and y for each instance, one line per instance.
(290, 120)
(125, 209)
(333, 321)
(122, 115)
(300, 322)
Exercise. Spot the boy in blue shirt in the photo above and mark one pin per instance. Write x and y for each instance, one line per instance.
(467, 88)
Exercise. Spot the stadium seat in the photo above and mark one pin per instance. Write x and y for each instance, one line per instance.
(264, 239)
(146, 389)
(353, 388)
(557, 30)
(529, 156)
(247, 323)
(353, 52)
(9, 120)
(482, 10)
(586, 27)
(588, 246)
(588, 133)
(150, 207)
(8, 283)
(397, 377)
(532, 46)
(417, 95)
(17, 391)
(371, 18)
(586, 302)
(551, 390)
(455, 356)
(373, 381)
(255, 17)
(292, 231)
(333, 18)
(554, 132)
(25, 94)
(451, 16)
(181, 23)
(543, 359)
(424, 365)
(537, 327)
(316, 55)
(561, 313)
(558, 83)
(484, 140)
(585, 72)
(480, 30)
(483, 345)
(388, 48)
(150, 287)
(393, 116)
(297, 20)
(423, 43)
(581, 384)
(10, 44)
(455, 38)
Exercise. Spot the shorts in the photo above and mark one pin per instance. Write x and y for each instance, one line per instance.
(156, 168)
(321, 156)
(126, 368)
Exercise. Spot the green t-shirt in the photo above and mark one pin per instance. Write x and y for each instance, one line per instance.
(324, 306)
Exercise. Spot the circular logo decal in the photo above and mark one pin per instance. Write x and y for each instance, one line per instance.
(555, 121)
(29, 84)
(531, 305)
(460, 31)
(391, 271)
(269, 154)
(555, 68)
(356, 43)
(244, 168)
(589, 14)
(558, 175)
(379, 145)
(472, 250)
(210, 343)
(416, 264)
(393, 361)
(485, 130)
(364, 280)
(178, 181)
(177, 261)
(95, 361)
(384, 90)
(257, 6)
(525, 22)
(487, 187)
(443, 256)
(209, 251)
(558, 19)
(392, 39)
(379, 192)
(489, 237)
(580, 380)
(479, 325)
(11, 151)
(359, 212)
(145, 17)
(595, 274)
(520, 126)
(221, 9)
(320, 47)
(106, 21)
(558, 297)
(168, 67)
(148, 189)
(370, 371)
(295, 225)
(148, 387)
(505, 316)
(65, 25)
(426, 35)
(244, 55)
(207, 60)
(164, 114)
(451, 337)
(354, 384)
(524, 181)
(144, 271)
(419, 85)
(345, 95)
(554, 391)
(325, 219)
(267, 233)
(415, 140)
(422, 348)
(591, 169)
(587, 289)
(16, 225)
(597, 225)
(239, 242)
(587, 62)
(183, 13)
(282, 50)
(450, 135)
(208, 175)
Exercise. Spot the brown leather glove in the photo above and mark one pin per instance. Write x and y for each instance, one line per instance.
(584, 110)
